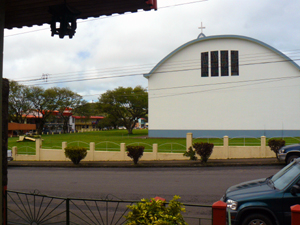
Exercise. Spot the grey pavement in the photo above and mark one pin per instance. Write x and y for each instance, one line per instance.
(154, 163)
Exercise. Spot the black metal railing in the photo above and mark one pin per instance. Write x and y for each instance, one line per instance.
(36, 209)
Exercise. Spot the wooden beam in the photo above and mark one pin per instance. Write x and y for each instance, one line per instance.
(2, 24)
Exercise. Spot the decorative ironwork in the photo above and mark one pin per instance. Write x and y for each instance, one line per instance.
(66, 17)
(37, 209)
(23, 208)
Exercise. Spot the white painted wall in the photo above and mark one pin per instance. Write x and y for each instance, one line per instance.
(252, 100)
(72, 122)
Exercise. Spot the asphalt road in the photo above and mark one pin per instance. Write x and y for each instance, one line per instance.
(201, 185)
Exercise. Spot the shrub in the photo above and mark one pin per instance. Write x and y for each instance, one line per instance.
(155, 212)
(75, 153)
(190, 153)
(275, 145)
(135, 152)
(204, 150)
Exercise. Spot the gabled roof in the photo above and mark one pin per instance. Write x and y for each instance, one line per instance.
(19, 13)
(203, 39)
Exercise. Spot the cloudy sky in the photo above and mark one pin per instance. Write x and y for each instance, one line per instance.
(113, 51)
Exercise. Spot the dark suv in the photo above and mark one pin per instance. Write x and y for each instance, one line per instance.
(289, 152)
(265, 201)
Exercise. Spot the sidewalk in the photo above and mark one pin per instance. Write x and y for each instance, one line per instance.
(156, 163)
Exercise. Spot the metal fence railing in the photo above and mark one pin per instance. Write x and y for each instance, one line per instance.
(208, 139)
(288, 140)
(26, 150)
(244, 141)
(34, 208)
(107, 146)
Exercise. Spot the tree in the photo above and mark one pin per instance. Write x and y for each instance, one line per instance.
(19, 103)
(107, 122)
(41, 103)
(84, 110)
(125, 104)
(44, 103)
(67, 99)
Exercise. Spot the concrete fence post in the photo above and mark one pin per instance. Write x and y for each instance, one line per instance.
(189, 140)
(14, 152)
(63, 146)
(38, 146)
(155, 151)
(219, 213)
(226, 146)
(263, 146)
(295, 209)
(123, 151)
(92, 150)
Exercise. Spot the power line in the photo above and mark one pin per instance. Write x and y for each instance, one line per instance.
(221, 88)
(252, 82)
(224, 83)
(140, 69)
(165, 71)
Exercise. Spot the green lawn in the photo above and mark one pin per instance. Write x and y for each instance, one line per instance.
(104, 140)
(110, 140)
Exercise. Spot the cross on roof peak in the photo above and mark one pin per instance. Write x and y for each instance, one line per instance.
(201, 28)
(201, 35)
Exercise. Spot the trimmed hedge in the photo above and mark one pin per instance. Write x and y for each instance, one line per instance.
(75, 153)
(135, 152)
(275, 144)
(204, 150)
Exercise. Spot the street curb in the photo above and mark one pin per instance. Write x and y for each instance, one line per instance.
(147, 164)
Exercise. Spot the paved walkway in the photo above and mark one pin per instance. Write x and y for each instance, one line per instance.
(156, 163)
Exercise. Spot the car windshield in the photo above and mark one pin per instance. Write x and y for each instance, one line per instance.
(286, 175)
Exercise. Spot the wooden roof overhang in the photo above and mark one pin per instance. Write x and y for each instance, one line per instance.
(20, 13)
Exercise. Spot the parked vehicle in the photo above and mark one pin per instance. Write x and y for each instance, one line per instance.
(9, 155)
(289, 153)
(265, 201)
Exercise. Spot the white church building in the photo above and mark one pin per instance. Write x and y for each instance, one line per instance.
(224, 85)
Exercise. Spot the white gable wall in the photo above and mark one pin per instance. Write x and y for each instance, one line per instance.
(252, 101)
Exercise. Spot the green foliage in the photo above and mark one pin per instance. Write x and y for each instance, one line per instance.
(18, 103)
(135, 152)
(24, 100)
(155, 212)
(275, 144)
(67, 99)
(204, 150)
(125, 105)
(75, 153)
(190, 153)
(36, 136)
(108, 122)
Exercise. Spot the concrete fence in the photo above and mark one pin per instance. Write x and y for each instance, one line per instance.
(219, 152)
